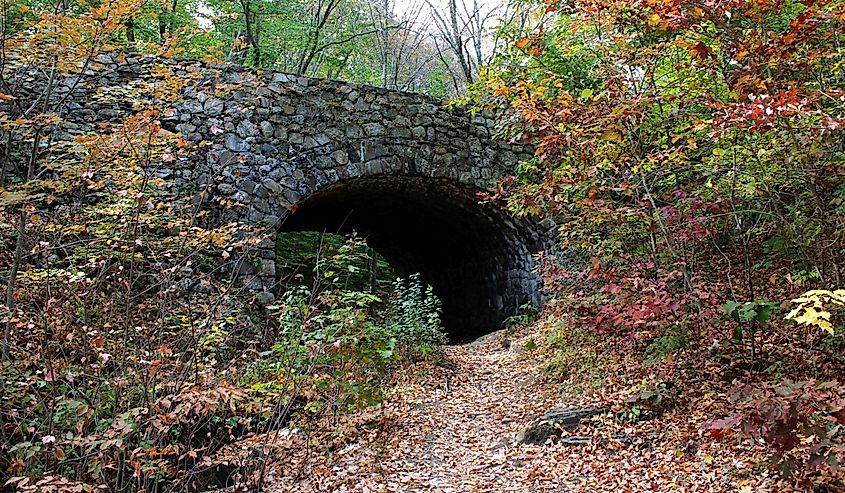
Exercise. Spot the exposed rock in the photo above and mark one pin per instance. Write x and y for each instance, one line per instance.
(247, 129)
(267, 267)
(213, 107)
(235, 143)
(555, 422)
(267, 129)
(491, 337)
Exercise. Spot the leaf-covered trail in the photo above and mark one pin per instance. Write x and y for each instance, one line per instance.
(454, 432)
(449, 432)
(457, 433)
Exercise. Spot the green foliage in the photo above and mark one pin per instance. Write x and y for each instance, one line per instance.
(759, 311)
(413, 318)
(339, 342)
(646, 399)
(330, 345)
(528, 314)
(297, 254)
(575, 356)
(665, 346)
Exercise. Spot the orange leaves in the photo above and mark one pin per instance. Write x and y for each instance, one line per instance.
(534, 44)
(701, 51)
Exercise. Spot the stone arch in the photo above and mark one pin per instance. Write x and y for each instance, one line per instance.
(262, 142)
(477, 258)
(383, 160)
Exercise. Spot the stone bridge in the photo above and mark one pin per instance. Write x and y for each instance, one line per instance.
(400, 169)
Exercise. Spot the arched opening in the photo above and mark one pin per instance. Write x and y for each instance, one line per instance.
(297, 253)
(476, 257)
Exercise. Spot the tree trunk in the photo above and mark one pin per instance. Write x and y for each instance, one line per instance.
(458, 42)
(130, 30)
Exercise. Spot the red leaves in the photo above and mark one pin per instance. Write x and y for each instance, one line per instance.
(786, 418)
(764, 112)
(718, 428)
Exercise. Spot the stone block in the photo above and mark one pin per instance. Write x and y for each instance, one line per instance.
(213, 107)
(267, 129)
(235, 143)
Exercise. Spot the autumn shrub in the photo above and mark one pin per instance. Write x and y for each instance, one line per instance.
(122, 332)
(692, 157)
(801, 422)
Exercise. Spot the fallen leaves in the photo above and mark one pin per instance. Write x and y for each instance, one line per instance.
(453, 431)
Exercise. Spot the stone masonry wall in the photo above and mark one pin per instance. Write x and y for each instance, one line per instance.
(273, 140)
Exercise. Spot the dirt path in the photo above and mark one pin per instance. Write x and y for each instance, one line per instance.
(455, 432)
(451, 433)
(456, 435)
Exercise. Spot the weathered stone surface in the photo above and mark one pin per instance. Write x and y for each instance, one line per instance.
(267, 267)
(488, 338)
(400, 168)
(267, 129)
(555, 422)
(213, 107)
(235, 143)
(247, 129)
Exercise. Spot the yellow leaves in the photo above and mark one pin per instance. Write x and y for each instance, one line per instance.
(657, 23)
(612, 135)
(522, 43)
(811, 309)
(500, 89)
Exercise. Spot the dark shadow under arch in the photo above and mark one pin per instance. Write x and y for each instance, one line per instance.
(476, 256)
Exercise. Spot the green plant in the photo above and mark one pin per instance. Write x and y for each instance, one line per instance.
(329, 344)
(664, 346)
(414, 318)
(575, 355)
(752, 315)
(757, 310)
(528, 313)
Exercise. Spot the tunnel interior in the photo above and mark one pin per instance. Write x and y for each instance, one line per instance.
(473, 254)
